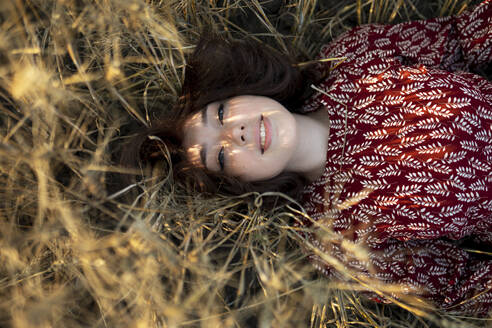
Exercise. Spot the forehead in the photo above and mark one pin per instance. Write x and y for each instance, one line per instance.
(193, 121)
(191, 138)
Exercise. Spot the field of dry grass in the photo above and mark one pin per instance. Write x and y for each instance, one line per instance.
(76, 78)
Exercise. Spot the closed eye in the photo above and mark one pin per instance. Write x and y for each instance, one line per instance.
(220, 158)
(220, 114)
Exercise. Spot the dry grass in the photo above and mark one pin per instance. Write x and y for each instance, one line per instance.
(75, 77)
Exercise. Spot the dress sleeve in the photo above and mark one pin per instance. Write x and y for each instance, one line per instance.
(435, 270)
(461, 42)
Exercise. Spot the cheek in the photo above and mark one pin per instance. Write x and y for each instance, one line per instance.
(258, 169)
(240, 162)
(245, 165)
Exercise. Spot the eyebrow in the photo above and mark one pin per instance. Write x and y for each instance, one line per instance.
(204, 116)
(203, 150)
(203, 156)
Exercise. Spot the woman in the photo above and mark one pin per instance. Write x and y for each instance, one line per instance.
(393, 152)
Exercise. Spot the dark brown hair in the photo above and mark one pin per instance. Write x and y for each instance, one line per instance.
(220, 69)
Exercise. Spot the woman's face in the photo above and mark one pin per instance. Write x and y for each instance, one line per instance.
(248, 137)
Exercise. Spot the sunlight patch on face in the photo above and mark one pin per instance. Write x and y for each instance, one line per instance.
(194, 155)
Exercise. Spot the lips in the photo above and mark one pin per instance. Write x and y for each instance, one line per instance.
(265, 134)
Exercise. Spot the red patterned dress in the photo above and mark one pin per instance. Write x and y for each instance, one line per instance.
(409, 163)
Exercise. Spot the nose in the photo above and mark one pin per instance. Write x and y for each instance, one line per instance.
(236, 134)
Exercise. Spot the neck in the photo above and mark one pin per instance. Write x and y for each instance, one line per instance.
(309, 158)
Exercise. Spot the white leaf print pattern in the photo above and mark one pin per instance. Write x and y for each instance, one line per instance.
(421, 139)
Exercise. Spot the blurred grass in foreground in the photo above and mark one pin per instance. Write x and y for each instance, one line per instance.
(75, 77)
